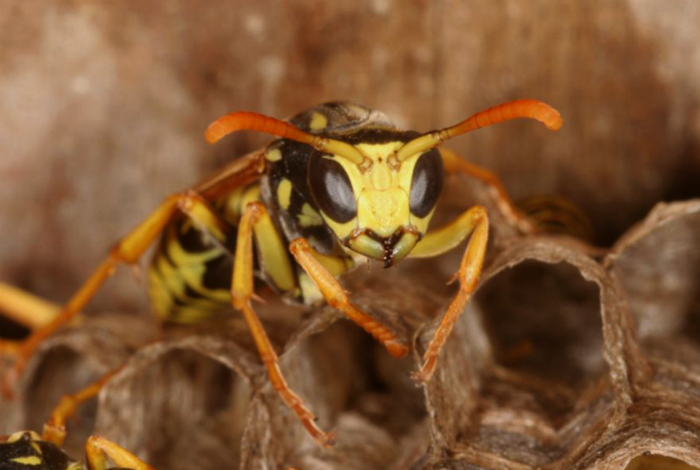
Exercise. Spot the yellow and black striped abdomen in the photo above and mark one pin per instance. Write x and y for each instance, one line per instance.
(190, 274)
(191, 270)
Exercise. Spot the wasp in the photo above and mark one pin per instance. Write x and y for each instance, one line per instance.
(341, 186)
(26, 450)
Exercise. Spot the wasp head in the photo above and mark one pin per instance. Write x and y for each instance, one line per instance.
(379, 208)
(378, 195)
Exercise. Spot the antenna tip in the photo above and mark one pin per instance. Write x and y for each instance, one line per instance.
(551, 118)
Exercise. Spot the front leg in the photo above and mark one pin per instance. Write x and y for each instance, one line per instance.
(99, 450)
(337, 298)
(55, 427)
(473, 222)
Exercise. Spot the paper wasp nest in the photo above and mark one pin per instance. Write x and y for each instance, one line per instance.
(567, 358)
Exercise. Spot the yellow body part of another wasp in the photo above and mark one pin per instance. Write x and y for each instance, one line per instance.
(26, 450)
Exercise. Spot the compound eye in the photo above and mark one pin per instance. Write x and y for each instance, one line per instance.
(331, 188)
(426, 183)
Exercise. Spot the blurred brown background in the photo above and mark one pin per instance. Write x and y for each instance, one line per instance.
(103, 104)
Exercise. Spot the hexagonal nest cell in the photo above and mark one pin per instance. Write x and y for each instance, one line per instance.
(567, 357)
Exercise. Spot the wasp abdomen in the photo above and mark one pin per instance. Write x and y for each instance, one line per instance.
(190, 274)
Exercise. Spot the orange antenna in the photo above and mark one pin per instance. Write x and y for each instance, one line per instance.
(245, 120)
(532, 109)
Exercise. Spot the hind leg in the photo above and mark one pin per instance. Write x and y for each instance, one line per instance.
(128, 250)
(453, 163)
(55, 427)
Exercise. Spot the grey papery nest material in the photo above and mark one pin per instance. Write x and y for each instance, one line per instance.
(567, 358)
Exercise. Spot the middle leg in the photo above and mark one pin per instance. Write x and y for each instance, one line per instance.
(242, 294)
(473, 222)
(55, 427)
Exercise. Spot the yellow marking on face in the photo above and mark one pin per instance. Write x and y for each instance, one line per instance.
(383, 211)
(318, 122)
(422, 223)
(284, 193)
(381, 177)
(273, 155)
(382, 192)
(309, 217)
(340, 230)
(29, 460)
(36, 447)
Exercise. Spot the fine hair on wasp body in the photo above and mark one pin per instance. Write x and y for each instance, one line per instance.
(342, 185)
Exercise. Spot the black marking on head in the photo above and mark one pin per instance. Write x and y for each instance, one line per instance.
(294, 166)
(377, 136)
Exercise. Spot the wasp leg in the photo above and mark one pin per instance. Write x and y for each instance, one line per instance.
(128, 250)
(473, 222)
(55, 427)
(242, 293)
(337, 298)
(9, 348)
(454, 163)
(25, 308)
(99, 449)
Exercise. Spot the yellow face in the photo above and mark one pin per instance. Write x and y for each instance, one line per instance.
(380, 208)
